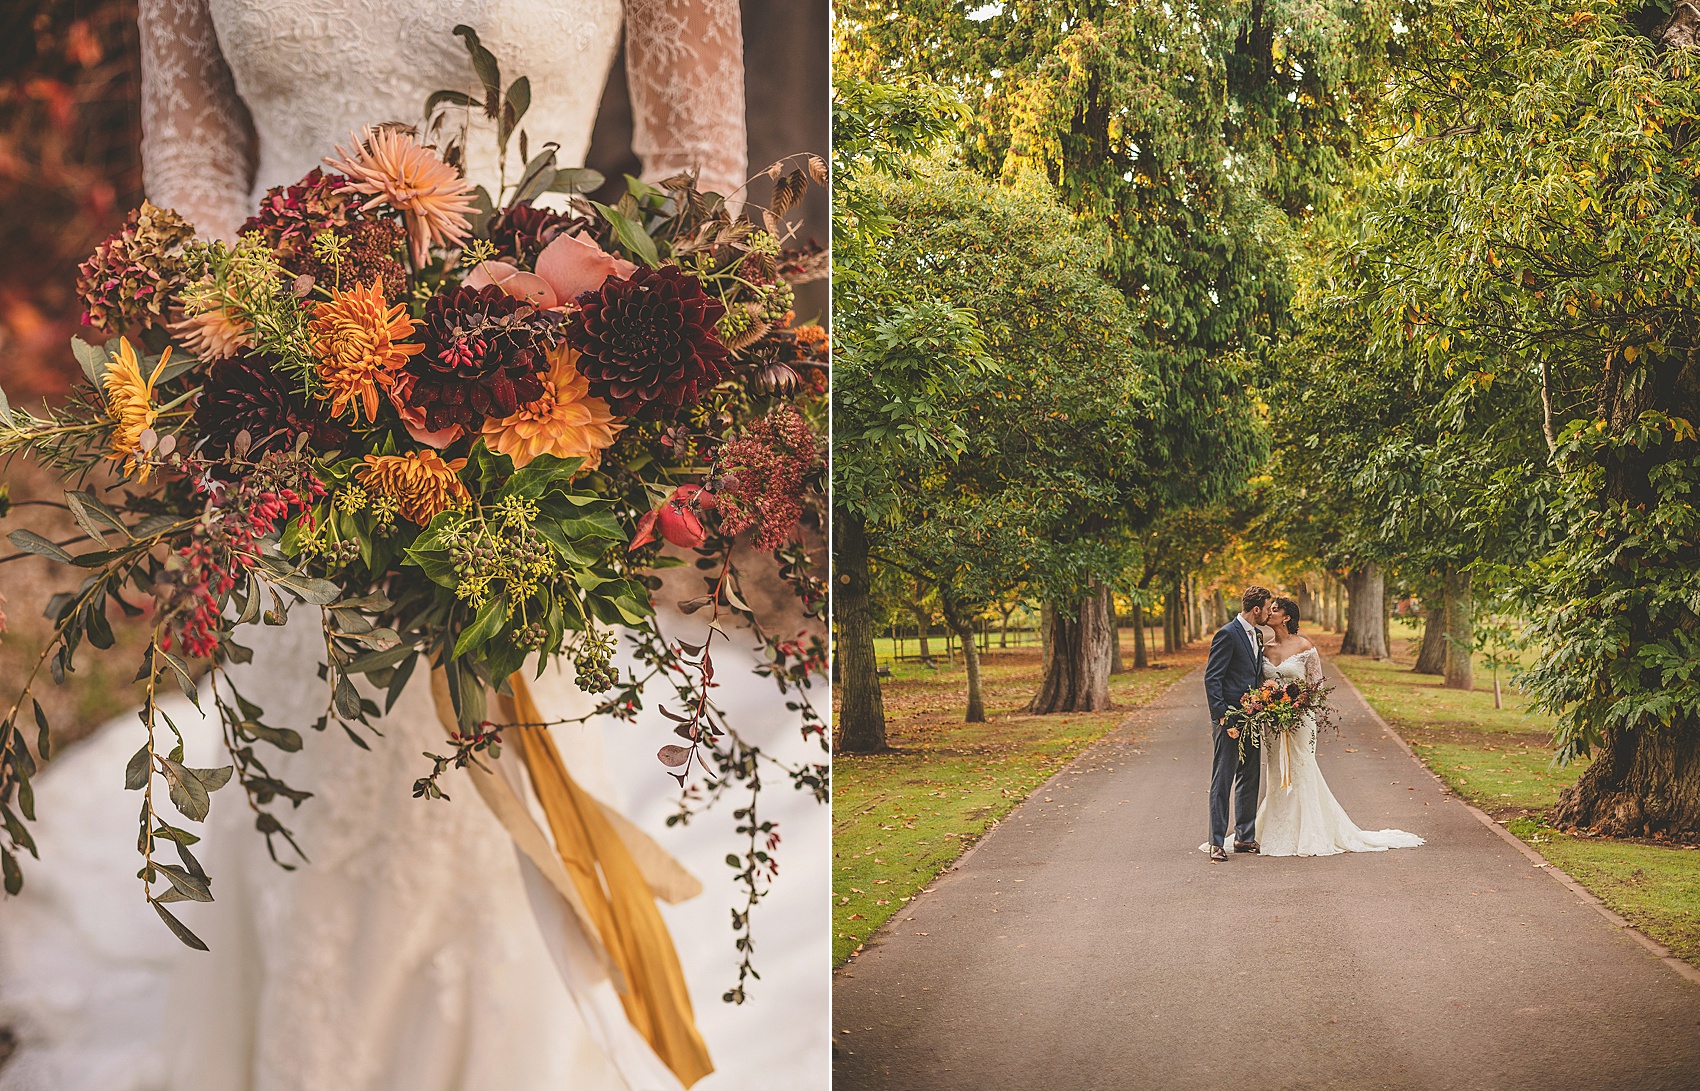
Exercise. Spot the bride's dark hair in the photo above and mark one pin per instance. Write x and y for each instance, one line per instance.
(1291, 609)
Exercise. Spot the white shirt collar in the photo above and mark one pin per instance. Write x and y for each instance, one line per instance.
(1250, 629)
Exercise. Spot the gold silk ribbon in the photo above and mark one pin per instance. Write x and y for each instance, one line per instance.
(609, 873)
(1286, 759)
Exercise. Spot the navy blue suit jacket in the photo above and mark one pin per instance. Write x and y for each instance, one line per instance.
(1232, 671)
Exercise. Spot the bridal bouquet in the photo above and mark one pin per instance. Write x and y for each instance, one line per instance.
(459, 425)
(1276, 710)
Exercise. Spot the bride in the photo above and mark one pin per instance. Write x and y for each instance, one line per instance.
(1299, 815)
(405, 954)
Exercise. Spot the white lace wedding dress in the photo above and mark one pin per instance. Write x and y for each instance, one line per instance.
(405, 955)
(1299, 815)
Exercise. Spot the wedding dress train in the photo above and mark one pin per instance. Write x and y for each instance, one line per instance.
(1299, 815)
(405, 954)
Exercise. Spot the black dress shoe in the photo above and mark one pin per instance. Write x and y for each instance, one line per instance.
(1217, 854)
(1246, 846)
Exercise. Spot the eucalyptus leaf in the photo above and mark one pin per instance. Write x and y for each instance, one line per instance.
(576, 180)
(136, 772)
(630, 234)
(484, 64)
(31, 542)
(177, 927)
(188, 794)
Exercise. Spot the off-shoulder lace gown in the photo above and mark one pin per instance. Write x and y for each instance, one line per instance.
(1299, 815)
(405, 955)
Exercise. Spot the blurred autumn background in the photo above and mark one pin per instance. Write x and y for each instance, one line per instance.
(70, 171)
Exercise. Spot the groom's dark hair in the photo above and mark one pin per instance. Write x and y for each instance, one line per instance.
(1253, 597)
(1291, 609)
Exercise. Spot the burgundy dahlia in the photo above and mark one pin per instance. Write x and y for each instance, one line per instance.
(245, 393)
(483, 354)
(520, 232)
(648, 343)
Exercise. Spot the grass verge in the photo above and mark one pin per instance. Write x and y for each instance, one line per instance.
(1501, 761)
(902, 817)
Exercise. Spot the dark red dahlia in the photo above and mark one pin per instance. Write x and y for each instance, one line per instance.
(520, 232)
(483, 354)
(648, 343)
(246, 393)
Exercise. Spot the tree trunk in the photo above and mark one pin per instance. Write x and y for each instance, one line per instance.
(1386, 621)
(957, 617)
(1117, 666)
(1460, 631)
(1003, 628)
(923, 629)
(1171, 614)
(1307, 602)
(861, 708)
(1366, 613)
(1139, 660)
(1077, 672)
(1643, 781)
(1431, 654)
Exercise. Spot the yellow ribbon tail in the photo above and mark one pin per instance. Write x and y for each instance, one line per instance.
(616, 895)
(1286, 759)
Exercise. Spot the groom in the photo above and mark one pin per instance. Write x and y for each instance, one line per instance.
(1235, 667)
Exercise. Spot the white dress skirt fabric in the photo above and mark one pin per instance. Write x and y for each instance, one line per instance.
(406, 954)
(1299, 816)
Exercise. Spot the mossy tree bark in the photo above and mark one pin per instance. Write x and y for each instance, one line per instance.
(1366, 612)
(861, 707)
(1117, 664)
(1645, 779)
(1460, 630)
(1077, 664)
(960, 618)
(1431, 654)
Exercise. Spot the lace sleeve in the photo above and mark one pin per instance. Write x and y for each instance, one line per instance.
(685, 67)
(1313, 667)
(197, 138)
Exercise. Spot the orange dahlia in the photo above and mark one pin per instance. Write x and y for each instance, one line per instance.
(357, 337)
(398, 171)
(565, 422)
(129, 403)
(422, 484)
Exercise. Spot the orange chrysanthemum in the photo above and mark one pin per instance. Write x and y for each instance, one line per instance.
(129, 402)
(213, 334)
(400, 172)
(565, 422)
(422, 484)
(357, 337)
